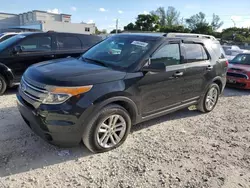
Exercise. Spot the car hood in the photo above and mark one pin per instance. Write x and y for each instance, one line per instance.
(71, 72)
(239, 67)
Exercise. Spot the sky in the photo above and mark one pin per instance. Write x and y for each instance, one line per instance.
(104, 13)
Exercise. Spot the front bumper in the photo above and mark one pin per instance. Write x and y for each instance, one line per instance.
(238, 82)
(51, 125)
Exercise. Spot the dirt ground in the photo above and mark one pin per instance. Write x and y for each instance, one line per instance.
(183, 149)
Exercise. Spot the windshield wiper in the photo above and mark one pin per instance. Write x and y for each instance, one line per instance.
(95, 61)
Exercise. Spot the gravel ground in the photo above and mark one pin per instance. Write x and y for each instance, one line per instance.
(183, 149)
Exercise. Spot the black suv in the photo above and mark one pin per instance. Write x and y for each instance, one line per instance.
(19, 52)
(122, 81)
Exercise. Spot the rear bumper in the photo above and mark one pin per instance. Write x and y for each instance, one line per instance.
(238, 82)
(53, 129)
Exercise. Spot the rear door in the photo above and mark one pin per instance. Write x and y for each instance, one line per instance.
(68, 45)
(198, 66)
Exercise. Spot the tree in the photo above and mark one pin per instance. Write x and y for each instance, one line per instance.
(198, 24)
(160, 12)
(197, 20)
(114, 31)
(172, 17)
(97, 32)
(174, 28)
(169, 17)
(216, 22)
(104, 31)
(236, 34)
(130, 27)
(147, 22)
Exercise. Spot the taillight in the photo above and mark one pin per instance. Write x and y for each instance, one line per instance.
(227, 63)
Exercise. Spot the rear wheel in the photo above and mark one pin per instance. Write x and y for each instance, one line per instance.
(3, 85)
(108, 129)
(209, 101)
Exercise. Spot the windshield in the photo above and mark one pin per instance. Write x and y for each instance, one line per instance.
(119, 51)
(6, 43)
(243, 59)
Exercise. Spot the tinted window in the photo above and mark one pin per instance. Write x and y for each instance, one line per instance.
(37, 43)
(119, 51)
(6, 37)
(68, 42)
(9, 42)
(195, 52)
(168, 54)
(218, 50)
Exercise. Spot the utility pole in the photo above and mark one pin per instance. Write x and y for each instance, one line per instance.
(116, 31)
(233, 22)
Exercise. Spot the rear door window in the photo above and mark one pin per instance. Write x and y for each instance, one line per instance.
(68, 43)
(37, 43)
(195, 52)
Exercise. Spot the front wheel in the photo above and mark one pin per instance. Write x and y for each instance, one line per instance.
(3, 85)
(209, 101)
(108, 129)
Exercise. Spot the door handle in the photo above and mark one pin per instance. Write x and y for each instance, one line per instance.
(178, 74)
(209, 68)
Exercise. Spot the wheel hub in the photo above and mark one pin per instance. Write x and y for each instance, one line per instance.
(111, 131)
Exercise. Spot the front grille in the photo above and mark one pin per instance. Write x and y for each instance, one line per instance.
(237, 75)
(32, 93)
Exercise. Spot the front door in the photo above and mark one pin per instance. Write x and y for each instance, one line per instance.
(162, 90)
(34, 49)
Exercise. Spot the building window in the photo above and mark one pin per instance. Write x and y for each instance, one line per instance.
(87, 29)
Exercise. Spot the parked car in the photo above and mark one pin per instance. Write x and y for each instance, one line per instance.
(19, 52)
(232, 51)
(97, 97)
(5, 36)
(239, 71)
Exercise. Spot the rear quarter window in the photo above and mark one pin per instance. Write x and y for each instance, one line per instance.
(218, 50)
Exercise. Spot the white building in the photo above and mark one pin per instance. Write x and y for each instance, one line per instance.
(37, 20)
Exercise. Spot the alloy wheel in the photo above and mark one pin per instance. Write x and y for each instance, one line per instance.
(211, 98)
(111, 131)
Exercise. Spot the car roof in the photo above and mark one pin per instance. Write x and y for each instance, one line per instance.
(173, 36)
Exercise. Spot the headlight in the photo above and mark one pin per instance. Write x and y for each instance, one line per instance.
(58, 95)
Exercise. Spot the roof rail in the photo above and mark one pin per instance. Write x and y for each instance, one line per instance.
(190, 35)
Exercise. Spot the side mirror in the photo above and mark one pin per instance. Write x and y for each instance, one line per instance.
(17, 49)
(154, 67)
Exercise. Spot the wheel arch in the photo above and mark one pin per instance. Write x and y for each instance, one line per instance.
(219, 82)
(123, 101)
(7, 74)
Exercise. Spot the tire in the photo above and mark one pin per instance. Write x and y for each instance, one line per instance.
(3, 85)
(100, 125)
(203, 105)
